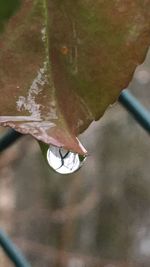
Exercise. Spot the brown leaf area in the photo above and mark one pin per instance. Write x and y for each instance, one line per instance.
(63, 65)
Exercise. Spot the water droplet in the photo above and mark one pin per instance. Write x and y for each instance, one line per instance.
(64, 161)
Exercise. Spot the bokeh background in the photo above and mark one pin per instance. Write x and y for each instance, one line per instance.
(99, 216)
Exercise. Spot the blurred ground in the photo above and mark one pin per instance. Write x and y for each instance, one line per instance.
(99, 216)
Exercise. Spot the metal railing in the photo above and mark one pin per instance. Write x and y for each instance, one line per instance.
(14, 254)
(138, 111)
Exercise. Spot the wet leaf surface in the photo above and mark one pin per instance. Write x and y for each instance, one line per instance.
(63, 62)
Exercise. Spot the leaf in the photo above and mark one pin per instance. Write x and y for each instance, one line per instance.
(63, 62)
(7, 9)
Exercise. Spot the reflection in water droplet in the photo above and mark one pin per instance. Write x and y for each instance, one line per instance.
(64, 161)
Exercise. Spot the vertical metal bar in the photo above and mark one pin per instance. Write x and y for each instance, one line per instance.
(139, 112)
(12, 251)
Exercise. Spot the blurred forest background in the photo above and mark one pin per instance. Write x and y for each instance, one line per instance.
(99, 216)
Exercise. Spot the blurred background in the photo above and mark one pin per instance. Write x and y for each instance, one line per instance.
(99, 216)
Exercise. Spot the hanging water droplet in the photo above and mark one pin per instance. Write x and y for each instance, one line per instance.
(64, 161)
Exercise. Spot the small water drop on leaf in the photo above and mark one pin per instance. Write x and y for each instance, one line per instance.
(64, 161)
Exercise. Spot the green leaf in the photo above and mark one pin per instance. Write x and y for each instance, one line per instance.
(62, 63)
(7, 9)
